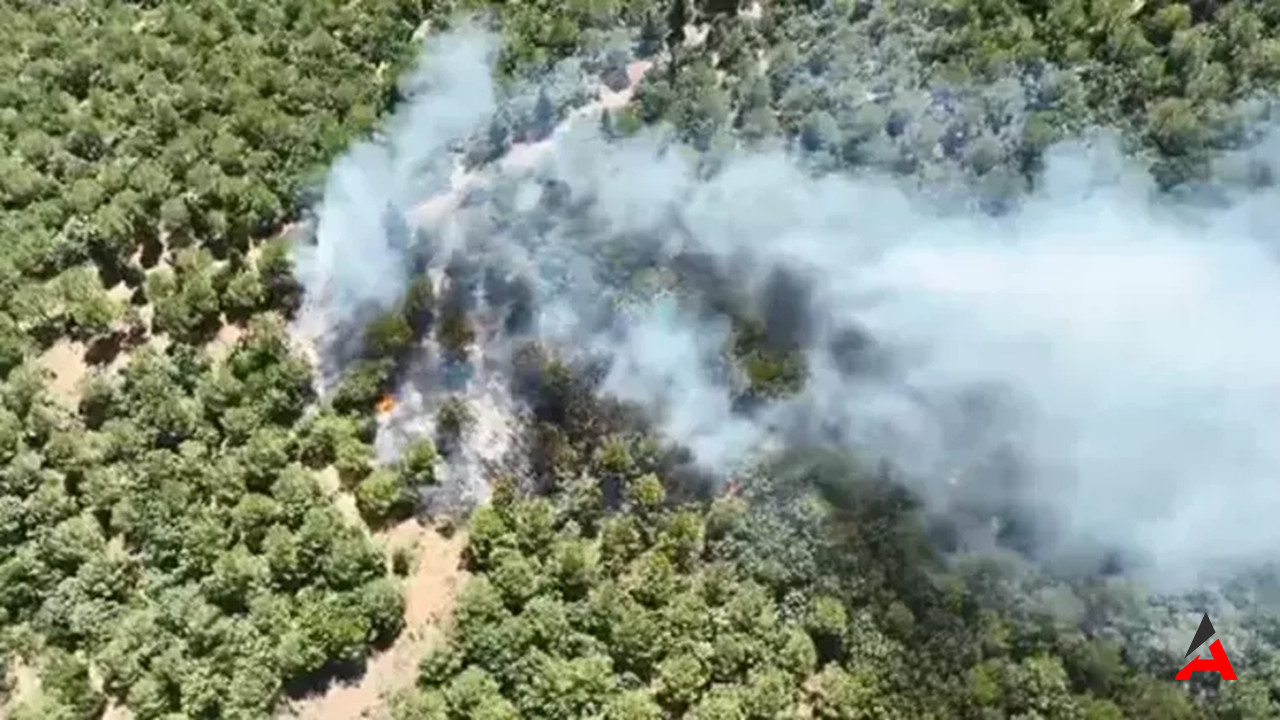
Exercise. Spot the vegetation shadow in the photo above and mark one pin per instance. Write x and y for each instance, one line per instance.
(331, 674)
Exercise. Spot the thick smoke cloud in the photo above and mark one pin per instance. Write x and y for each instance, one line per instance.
(1097, 355)
(355, 264)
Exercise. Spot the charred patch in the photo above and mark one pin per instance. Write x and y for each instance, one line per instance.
(786, 307)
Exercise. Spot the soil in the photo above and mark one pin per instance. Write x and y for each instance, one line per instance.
(430, 591)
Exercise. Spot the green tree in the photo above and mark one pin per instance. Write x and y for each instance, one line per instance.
(454, 331)
(384, 496)
(417, 466)
(90, 310)
(390, 335)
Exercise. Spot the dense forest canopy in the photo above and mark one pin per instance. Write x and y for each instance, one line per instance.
(169, 542)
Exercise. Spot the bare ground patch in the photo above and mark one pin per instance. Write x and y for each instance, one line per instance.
(23, 682)
(116, 711)
(430, 591)
(68, 370)
(71, 362)
(220, 347)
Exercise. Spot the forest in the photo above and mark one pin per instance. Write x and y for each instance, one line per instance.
(168, 540)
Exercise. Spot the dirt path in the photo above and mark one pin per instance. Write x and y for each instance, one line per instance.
(430, 591)
(522, 157)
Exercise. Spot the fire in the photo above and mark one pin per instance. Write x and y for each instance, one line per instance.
(385, 404)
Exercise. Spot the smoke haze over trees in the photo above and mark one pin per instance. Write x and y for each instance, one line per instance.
(1074, 302)
(756, 377)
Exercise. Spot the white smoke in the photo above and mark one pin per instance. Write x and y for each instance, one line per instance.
(355, 263)
(1132, 337)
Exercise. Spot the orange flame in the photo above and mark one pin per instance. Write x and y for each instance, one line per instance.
(385, 404)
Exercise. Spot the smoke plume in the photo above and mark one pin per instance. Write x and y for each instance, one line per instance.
(1098, 355)
(355, 264)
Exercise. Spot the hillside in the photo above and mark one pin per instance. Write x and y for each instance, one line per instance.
(226, 496)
